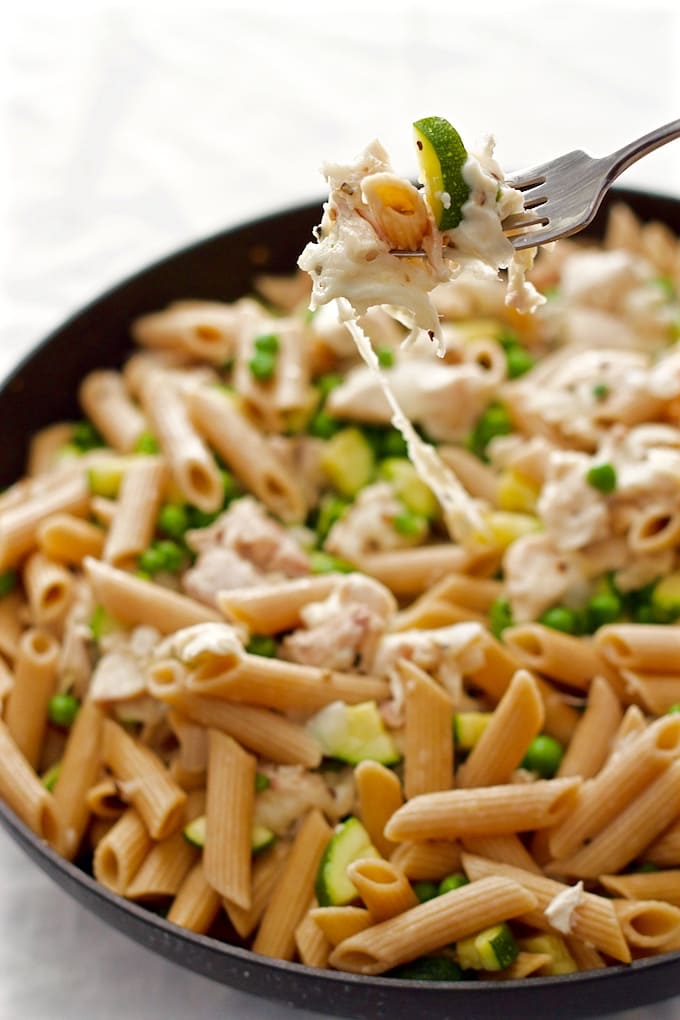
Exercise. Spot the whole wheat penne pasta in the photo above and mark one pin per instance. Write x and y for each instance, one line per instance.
(625, 775)
(656, 691)
(104, 800)
(193, 742)
(69, 539)
(288, 389)
(561, 718)
(430, 860)
(654, 528)
(266, 871)
(45, 446)
(6, 683)
(133, 600)
(479, 480)
(142, 366)
(105, 399)
(144, 779)
(585, 956)
(593, 919)
(516, 720)
(35, 674)
(428, 749)
(524, 966)
(647, 647)
(288, 686)
(246, 452)
(475, 593)
(493, 676)
(49, 588)
(11, 606)
(119, 854)
(665, 851)
(488, 811)
(408, 572)
(632, 724)
(293, 891)
(139, 499)
(340, 923)
(382, 886)
(68, 493)
(507, 849)
(196, 904)
(167, 864)
(431, 925)
(80, 766)
(591, 740)
(653, 885)
(268, 734)
(275, 607)
(192, 464)
(572, 660)
(626, 836)
(229, 818)
(313, 947)
(379, 795)
(430, 613)
(23, 791)
(103, 510)
(649, 924)
(286, 291)
(202, 329)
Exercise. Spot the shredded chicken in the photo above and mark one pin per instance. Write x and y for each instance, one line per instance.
(293, 791)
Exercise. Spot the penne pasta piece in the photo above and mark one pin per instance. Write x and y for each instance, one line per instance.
(139, 500)
(265, 877)
(11, 606)
(657, 692)
(196, 904)
(572, 660)
(49, 588)
(103, 510)
(561, 718)
(119, 854)
(585, 956)
(494, 674)
(517, 719)
(45, 447)
(653, 885)
(69, 539)
(193, 742)
(247, 454)
(340, 923)
(269, 402)
(431, 925)
(105, 399)
(506, 849)
(202, 329)
(627, 835)
(428, 736)
(165, 867)
(382, 886)
(67, 493)
(379, 795)
(229, 818)
(293, 891)
(272, 608)
(408, 572)
(35, 675)
(641, 647)
(648, 924)
(104, 800)
(488, 811)
(429, 861)
(665, 851)
(133, 600)
(592, 919)
(479, 480)
(428, 613)
(313, 947)
(592, 739)
(632, 724)
(476, 593)
(654, 528)
(22, 790)
(144, 779)
(80, 766)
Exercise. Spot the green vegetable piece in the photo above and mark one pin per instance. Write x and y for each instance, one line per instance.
(385, 356)
(323, 425)
(147, 443)
(451, 882)
(230, 486)
(151, 561)
(554, 946)
(393, 444)
(86, 437)
(350, 842)
(442, 156)
(8, 582)
(651, 614)
(602, 477)
(561, 618)
(666, 286)
(261, 839)
(500, 616)
(600, 391)
(101, 623)
(518, 361)
(195, 834)
(173, 520)
(666, 594)
(646, 868)
(674, 709)
(325, 384)
(262, 366)
(425, 890)
(105, 480)
(262, 782)
(353, 733)
(201, 518)
(325, 563)
(492, 949)
(62, 710)
(262, 644)
(348, 461)
(267, 343)
(605, 607)
(468, 728)
(544, 756)
(410, 525)
(49, 778)
(331, 509)
(172, 554)
(429, 968)
(411, 490)
(495, 421)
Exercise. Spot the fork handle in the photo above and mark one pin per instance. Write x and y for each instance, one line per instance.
(631, 153)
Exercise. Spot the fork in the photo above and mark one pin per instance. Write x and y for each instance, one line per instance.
(562, 196)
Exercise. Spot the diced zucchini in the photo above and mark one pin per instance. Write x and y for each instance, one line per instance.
(104, 479)
(492, 949)
(666, 593)
(504, 527)
(348, 461)
(429, 968)
(195, 833)
(349, 843)
(468, 728)
(262, 839)
(410, 489)
(517, 492)
(49, 778)
(353, 733)
(562, 962)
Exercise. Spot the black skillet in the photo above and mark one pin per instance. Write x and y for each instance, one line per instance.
(43, 390)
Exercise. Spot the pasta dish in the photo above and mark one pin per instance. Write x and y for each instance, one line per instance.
(266, 673)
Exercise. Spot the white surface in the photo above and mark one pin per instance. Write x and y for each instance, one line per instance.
(128, 133)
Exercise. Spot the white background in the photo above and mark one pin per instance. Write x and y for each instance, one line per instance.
(128, 131)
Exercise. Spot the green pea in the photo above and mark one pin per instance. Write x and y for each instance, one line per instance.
(262, 366)
(393, 444)
(86, 437)
(561, 618)
(202, 518)
(147, 443)
(603, 608)
(62, 709)
(409, 524)
(518, 362)
(267, 343)
(173, 520)
(151, 561)
(323, 425)
(325, 384)
(8, 582)
(385, 356)
(495, 421)
(262, 644)
(172, 553)
(324, 563)
(600, 391)
(451, 882)
(425, 890)
(507, 338)
(544, 755)
(602, 477)
(500, 616)
(262, 782)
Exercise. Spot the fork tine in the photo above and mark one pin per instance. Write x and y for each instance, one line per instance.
(520, 221)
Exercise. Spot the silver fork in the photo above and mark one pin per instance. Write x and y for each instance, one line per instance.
(562, 196)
